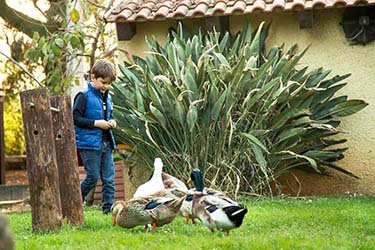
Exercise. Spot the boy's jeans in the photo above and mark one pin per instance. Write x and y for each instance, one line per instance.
(99, 163)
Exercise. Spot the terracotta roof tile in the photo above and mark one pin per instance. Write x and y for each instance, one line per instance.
(219, 8)
(181, 11)
(152, 10)
(162, 12)
(298, 5)
(259, 5)
(239, 7)
(278, 5)
(200, 9)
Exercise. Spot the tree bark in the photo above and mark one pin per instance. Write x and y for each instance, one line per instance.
(41, 161)
(65, 143)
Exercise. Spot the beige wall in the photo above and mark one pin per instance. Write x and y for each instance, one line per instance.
(329, 49)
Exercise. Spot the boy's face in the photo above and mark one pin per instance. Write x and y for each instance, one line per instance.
(100, 83)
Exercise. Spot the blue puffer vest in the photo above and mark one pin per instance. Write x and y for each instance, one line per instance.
(92, 138)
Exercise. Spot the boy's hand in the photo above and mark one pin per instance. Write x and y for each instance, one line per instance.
(113, 122)
(103, 124)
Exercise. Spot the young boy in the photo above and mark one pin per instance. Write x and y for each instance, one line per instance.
(93, 124)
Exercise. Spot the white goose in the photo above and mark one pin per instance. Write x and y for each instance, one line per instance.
(155, 184)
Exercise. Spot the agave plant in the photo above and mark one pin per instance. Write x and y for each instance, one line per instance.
(220, 102)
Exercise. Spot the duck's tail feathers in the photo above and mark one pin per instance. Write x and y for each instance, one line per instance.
(235, 214)
(176, 204)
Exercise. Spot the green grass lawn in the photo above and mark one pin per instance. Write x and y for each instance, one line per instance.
(312, 223)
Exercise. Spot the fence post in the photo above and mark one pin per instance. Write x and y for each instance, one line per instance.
(67, 162)
(41, 161)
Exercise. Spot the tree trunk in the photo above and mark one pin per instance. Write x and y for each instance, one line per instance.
(70, 190)
(41, 161)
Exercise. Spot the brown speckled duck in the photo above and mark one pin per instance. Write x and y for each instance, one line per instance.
(158, 209)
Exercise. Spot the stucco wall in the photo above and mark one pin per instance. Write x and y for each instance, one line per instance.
(329, 49)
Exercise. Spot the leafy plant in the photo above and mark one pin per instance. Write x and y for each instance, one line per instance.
(13, 130)
(79, 34)
(55, 52)
(223, 104)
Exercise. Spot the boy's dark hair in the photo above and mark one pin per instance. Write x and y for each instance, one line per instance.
(103, 68)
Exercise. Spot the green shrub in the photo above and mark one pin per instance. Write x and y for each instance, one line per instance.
(13, 128)
(223, 104)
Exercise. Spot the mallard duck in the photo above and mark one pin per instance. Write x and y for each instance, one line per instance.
(215, 211)
(170, 181)
(155, 184)
(186, 208)
(157, 210)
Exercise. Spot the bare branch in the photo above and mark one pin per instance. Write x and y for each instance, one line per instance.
(20, 21)
(37, 7)
(96, 5)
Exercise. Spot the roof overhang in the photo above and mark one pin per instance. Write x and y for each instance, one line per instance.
(132, 11)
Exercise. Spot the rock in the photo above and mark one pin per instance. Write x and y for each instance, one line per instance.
(6, 236)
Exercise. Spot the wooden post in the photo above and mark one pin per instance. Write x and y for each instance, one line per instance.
(41, 161)
(67, 162)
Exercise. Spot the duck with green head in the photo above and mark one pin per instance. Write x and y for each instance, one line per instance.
(217, 212)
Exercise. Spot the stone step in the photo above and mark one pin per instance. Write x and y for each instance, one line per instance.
(10, 203)
(13, 192)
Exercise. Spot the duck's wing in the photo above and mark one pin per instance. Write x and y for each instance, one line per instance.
(163, 210)
(171, 192)
(132, 214)
(170, 181)
(219, 200)
(221, 196)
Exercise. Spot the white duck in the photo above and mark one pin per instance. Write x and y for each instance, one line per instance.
(155, 184)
